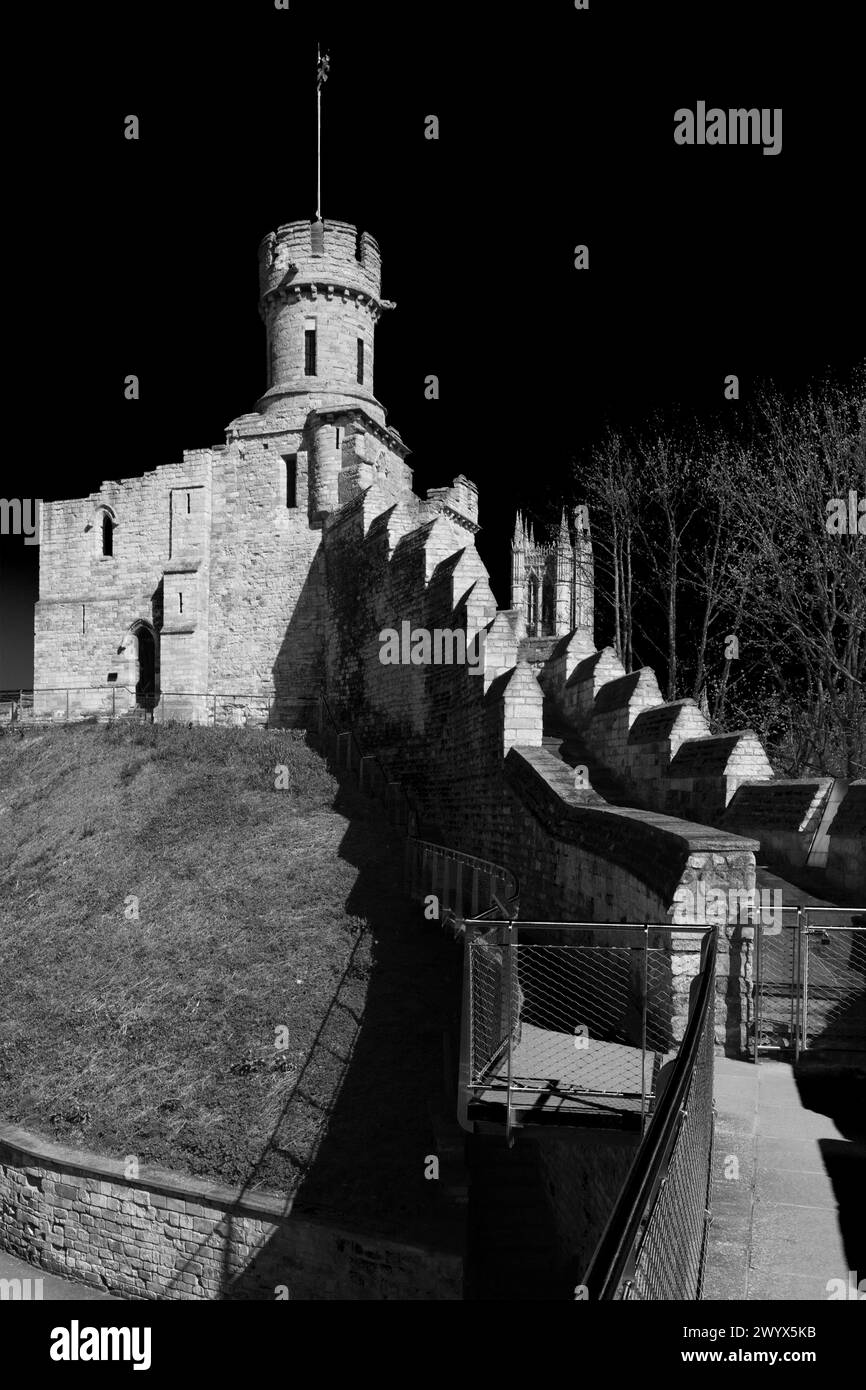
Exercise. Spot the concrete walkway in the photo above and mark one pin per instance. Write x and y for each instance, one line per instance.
(789, 1183)
(53, 1287)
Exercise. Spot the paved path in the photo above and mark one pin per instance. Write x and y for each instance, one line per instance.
(789, 1183)
(53, 1287)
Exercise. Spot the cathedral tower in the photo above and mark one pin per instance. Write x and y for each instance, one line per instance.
(552, 584)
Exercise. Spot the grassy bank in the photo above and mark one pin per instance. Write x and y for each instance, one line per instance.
(167, 917)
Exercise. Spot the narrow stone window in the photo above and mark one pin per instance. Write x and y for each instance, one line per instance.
(291, 462)
(309, 347)
(180, 601)
(361, 361)
(83, 618)
(188, 504)
(107, 535)
(338, 437)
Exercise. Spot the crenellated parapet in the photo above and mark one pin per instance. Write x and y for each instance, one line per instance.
(320, 300)
(318, 252)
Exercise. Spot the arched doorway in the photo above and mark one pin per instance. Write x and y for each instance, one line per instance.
(145, 684)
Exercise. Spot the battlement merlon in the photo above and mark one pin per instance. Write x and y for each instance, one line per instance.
(460, 500)
(328, 253)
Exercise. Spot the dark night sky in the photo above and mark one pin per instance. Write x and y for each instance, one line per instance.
(556, 128)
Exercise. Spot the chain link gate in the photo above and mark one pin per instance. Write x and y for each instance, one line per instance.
(833, 989)
(810, 982)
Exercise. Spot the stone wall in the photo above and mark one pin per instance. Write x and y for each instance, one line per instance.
(470, 747)
(90, 602)
(846, 857)
(162, 1236)
(784, 813)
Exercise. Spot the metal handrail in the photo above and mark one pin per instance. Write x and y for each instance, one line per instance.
(617, 1245)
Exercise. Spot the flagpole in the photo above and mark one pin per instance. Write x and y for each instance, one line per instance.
(318, 133)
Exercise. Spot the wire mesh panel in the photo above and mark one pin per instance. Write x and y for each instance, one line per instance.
(834, 988)
(593, 1018)
(488, 975)
(670, 1252)
(593, 1023)
(777, 984)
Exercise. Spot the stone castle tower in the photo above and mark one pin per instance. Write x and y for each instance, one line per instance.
(320, 301)
(205, 580)
(552, 584)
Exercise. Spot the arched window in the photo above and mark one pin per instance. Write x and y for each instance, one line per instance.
(107, 534)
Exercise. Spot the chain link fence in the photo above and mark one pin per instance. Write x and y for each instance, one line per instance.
(810, 982)
(671, 1248)
(582, 1025)
(654, 1245)
(833, 986)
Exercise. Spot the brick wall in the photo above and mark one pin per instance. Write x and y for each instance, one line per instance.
(166, 1237)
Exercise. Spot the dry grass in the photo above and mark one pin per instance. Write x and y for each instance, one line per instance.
(258, 909)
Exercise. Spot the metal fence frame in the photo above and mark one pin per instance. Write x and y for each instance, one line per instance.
(505, 936)
(804, 928)
(670, 1177)
(809, 930)
(459, 882)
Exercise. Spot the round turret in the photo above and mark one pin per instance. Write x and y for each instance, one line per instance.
(320, 299)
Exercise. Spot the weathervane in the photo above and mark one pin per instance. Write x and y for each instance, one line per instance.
(322, 68)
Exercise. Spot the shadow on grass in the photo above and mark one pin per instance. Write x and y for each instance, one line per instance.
(366, 1171)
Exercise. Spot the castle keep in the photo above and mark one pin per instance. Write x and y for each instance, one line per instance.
(200, 584)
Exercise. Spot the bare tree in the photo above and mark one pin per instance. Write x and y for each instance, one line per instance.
(806, 611)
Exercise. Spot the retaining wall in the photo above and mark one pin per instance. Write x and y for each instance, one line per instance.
(163, 1236)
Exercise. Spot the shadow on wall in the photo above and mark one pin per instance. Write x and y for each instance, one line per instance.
(366, 1171)
(298, 668)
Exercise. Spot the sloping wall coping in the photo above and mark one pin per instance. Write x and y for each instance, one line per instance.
(652, 846)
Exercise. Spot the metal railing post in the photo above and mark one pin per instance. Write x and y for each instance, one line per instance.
(802, 1038)
(758, 1010)
(408, 876)
(508, 950)
(466, 1067)
(645, 993)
